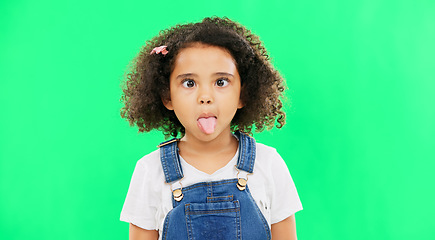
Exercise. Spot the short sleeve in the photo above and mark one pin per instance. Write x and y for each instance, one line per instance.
(141, 204)
(285, 199)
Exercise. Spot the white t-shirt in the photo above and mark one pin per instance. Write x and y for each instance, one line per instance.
(149, 198)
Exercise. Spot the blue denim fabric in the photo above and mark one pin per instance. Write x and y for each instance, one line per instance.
(213, 210)
(170, 161)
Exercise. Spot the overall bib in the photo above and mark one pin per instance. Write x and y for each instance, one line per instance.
(213, 210)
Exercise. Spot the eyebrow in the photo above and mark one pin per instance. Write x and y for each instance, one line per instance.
(185, 75)
(223, 74)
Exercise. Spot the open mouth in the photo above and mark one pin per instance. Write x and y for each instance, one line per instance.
(207, 124)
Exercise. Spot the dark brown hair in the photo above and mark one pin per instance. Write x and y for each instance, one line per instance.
(147, 80)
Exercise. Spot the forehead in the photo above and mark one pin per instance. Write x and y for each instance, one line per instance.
(204, 58)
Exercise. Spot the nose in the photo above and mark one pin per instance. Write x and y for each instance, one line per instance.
(205, 96)
(203, 101)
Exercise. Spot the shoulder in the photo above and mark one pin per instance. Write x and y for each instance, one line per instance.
(148, 177)
(149, 167)
(265, 151)
(270, 164)
(151, 159)
(268, 156)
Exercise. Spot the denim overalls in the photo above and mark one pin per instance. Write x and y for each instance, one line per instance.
(213, 210)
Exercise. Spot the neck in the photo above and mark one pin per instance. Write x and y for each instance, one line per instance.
(223, 142)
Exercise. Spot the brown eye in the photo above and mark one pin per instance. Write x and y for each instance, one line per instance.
(222, 82)
(189, 83)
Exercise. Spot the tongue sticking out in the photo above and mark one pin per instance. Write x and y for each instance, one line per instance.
(207, 125)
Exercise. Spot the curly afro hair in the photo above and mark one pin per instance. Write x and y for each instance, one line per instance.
(146, 83)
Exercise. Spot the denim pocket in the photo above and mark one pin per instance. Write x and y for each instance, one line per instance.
(214, 220)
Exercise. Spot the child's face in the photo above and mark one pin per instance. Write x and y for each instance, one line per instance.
(204, 91)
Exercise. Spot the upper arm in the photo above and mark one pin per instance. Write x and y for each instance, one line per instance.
(137, 233)
(284, 230)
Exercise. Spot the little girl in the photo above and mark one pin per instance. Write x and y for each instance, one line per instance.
(209, 82)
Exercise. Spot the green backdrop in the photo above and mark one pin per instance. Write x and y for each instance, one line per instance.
(359, 139)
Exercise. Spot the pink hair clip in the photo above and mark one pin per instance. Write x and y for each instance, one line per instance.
(161, 49)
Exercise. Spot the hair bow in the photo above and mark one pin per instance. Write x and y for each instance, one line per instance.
(161, 49)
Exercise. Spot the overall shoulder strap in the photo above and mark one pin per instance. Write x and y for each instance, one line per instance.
(246, 152)
(170, 160)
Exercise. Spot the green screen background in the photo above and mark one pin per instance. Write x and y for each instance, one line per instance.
(359, 139)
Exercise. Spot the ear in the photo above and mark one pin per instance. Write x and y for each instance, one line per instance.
(240, 104)
(167, 103)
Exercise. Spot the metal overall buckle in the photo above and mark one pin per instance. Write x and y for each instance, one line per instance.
(241, 182)
(178, 193)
